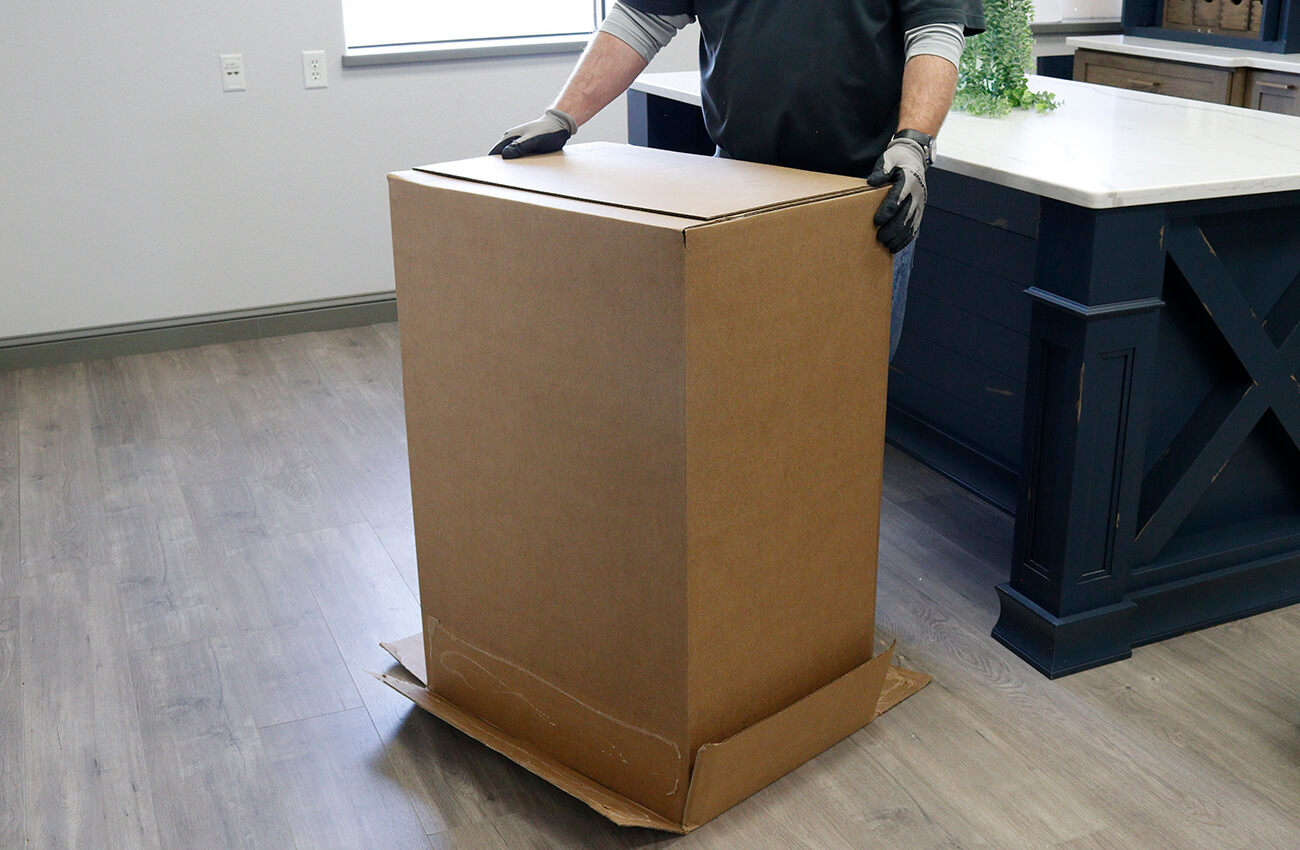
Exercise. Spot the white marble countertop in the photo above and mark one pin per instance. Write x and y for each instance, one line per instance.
(1181, 51)
(1105, 147)
(682, 86)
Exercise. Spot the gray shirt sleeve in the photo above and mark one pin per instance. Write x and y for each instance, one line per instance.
(944, 40)
(645, 33)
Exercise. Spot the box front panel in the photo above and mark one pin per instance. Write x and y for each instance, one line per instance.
(787, 347)
(542, 362)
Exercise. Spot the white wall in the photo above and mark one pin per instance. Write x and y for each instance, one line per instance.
(135, 189)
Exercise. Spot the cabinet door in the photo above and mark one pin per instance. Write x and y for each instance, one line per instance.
(1272, 91)
(1177, 79)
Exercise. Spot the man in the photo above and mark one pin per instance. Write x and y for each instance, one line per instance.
(855, 87)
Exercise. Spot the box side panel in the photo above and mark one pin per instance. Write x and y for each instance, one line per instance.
(543, 372)
(787, 349)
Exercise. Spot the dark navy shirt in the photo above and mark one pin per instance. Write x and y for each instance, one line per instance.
(811, 84)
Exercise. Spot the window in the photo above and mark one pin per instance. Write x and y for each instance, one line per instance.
(380, 31)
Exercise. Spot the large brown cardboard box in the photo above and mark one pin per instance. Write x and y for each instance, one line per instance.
(645, 399)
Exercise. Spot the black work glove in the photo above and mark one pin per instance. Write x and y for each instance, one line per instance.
(899, 218)
(545, 135)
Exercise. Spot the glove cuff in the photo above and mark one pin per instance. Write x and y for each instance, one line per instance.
(913, 150)
(564, 119)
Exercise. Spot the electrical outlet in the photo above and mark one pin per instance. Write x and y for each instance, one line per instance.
(313, 69)
(232, 72)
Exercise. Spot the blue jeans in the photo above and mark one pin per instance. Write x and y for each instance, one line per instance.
(902, 272)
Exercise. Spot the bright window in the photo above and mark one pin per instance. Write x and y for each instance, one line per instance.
(440, 24)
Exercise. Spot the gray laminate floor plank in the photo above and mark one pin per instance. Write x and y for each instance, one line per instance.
(976, 526)
(338, 791)
(334, 357)
(122, 401)
(259, 584)
(390, 332)
(842, 794)
(293, 672)
(12, 747)
(945, 750)
(1259, 650)
(906, 478)
(376, 356)
(294, 469)
(365, 445)
(355, 410)
(478, 836)
(9, 393)
(1127, 771)
(10, 495)
(239, 361)
(1214, 703)
(165, 594)
(308, 377)
(153, 549)
(397, 533)
(917, 552)
(59, 501)
(230, 513)
(360, 593)
(212, 780)
(452, 780)
(1105, 839)
(85, 784)
(196, 422)
(287, 661)
(326, 363)
(571, 827)
(142, 475)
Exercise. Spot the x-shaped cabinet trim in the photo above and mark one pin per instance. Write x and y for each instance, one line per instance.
(1268, 350)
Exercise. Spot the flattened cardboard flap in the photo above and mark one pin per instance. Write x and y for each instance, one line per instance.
(617, 808)
(680, 184)
(728, 772)
(409, 652)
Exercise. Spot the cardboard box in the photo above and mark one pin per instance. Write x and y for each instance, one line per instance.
(645, 400)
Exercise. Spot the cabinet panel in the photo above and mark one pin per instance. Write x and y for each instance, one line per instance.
(1272, 91)
(1177, 79)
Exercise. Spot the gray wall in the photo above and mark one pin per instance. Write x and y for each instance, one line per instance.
(135, 189)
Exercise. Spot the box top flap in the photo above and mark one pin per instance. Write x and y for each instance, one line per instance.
(728, 772)
(613, 806)
(684, 185)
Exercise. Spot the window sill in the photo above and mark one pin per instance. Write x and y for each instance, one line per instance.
(403, 53)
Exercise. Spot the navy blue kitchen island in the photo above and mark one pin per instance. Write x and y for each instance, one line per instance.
(1103, 337)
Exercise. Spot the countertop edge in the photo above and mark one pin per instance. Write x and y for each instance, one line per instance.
(1177, 51)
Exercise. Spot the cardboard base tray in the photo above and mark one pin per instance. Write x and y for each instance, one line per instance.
(724, 772)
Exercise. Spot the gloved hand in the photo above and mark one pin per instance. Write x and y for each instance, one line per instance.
(545, 135)
(899, 218)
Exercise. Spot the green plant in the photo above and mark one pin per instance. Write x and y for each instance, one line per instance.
(993, 77)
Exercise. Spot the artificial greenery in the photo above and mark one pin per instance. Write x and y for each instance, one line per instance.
(993, 77)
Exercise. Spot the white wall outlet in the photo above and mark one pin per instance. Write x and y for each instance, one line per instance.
(232, 72)
(313, 69)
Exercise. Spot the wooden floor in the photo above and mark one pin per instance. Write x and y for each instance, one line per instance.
(201, 550)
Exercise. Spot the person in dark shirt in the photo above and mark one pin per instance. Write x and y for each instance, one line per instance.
(853, 87)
